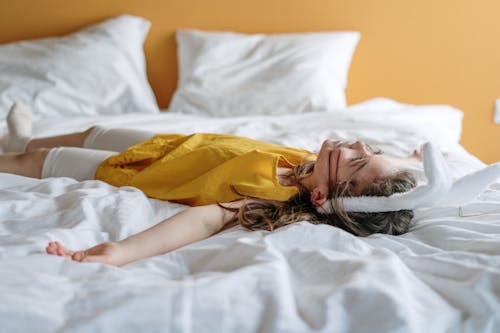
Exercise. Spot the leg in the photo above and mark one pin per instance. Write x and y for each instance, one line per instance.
(68, 140)
(77, 163)
(96, 137)
(19, 123)
(114, 139)
(24, 164)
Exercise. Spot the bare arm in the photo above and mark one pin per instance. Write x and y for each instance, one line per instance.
(186, 227)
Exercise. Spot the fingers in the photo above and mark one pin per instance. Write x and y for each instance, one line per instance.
(329, 145)
(51, 248)
(417, 153)
(55, 248)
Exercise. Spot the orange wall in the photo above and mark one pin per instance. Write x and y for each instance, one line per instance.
(427, 51)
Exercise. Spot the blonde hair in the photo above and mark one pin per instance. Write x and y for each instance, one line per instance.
(269, 215)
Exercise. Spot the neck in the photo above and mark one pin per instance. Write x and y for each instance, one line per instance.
(286, 177)
(307, 181)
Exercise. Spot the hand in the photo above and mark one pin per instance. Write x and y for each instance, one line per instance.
(416, 154)
(106, 253)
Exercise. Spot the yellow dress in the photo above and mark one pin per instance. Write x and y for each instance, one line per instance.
(201, 169)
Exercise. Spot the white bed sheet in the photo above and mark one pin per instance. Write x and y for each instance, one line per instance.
(443, 276)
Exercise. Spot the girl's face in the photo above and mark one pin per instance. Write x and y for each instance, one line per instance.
(352, 164)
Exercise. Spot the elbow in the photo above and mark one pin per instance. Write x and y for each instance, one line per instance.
(211, 217)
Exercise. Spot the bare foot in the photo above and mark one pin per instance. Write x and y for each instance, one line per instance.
(106, 253)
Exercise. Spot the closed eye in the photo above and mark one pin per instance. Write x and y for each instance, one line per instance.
(353, 182)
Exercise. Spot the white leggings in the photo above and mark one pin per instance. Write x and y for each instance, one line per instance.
(81, 163)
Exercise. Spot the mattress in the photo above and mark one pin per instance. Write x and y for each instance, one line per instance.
(442, 276)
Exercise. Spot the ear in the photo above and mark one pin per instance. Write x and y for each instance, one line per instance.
(318, 196)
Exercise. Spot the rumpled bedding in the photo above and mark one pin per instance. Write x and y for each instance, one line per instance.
(442, 276)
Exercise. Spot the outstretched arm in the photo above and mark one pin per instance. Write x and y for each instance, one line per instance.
(186, 227)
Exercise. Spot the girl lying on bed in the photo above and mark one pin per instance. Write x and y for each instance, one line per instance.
(225, 179)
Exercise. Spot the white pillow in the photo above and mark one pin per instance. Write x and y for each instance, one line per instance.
(228, 74)
(97, 70)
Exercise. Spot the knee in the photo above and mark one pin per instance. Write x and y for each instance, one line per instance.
(41, 153)
(95, 128)
(90, 129)
(34, 160)
(87, 132)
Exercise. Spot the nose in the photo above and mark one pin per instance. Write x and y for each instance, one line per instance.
(332, 144)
